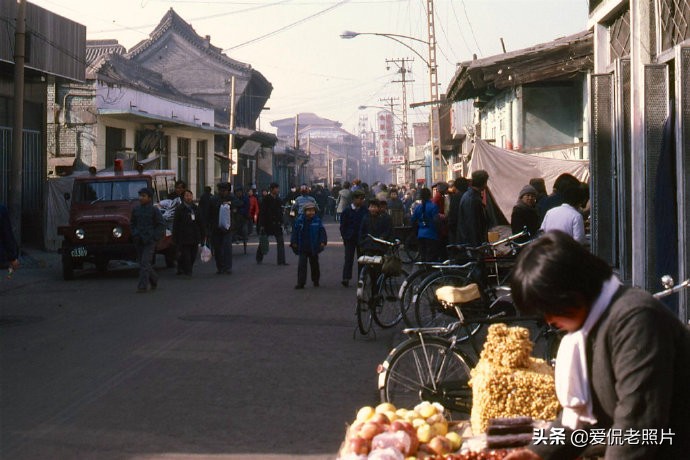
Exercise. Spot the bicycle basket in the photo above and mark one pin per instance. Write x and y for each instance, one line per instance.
(392, 265)
(452, 295)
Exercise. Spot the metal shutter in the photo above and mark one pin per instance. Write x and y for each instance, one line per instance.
(623, 169)
(602, 190)
(656, 109)
(683, 173)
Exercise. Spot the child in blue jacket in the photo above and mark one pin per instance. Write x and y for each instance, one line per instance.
(307, 241)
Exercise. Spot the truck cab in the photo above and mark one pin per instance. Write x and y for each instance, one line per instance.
(99, 217)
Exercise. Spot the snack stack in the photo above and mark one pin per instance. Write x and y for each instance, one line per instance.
(507, 382)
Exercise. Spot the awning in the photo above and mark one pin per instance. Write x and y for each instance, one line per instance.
(143, 117)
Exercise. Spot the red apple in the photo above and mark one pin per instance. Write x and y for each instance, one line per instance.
(440, 445)
(358, 445)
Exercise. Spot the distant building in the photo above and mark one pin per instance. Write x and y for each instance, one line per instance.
(334, 154)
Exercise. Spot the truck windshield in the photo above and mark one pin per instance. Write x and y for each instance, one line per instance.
(108, 190)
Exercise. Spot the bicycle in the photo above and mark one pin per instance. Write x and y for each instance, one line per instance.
(288, 217)
(431, 366)
(377, 292)
(427, 309)
(409, 252)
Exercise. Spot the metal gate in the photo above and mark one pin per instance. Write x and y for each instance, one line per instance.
(683, 170)
(33, 181)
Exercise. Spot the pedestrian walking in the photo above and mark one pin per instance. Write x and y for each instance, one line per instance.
(253, 210)
(188, 233)
(425, 218)
(148, 227)
(221, 236)
(9, 251)
(271, 222)
(474, 223)
(343, 200)
(566, 217)
(308, 239)
(303, 199)
(350, 222)
(525, 214)
(455, 192)
(377, 224)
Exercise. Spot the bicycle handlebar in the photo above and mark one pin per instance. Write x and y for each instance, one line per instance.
(672, 290)
(396, 242)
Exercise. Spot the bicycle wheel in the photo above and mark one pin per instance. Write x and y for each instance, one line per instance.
(408, 289)
(428, 311)
(386, 304)
(364, 311)
(432, 371)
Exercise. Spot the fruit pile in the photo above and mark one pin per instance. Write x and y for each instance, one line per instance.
(387, 433)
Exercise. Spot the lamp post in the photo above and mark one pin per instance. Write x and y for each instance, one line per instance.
(430, 63)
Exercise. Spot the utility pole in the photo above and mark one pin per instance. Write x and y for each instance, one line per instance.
(403, 70)
(433, 80)
(234, 158)
(17, 162)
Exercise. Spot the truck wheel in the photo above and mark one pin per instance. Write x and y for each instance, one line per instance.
(67, 268)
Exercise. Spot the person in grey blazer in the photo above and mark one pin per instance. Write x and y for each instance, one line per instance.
(623, 368)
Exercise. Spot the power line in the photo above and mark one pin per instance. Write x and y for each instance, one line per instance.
(289, 26)
(455, 13)
(464, 7)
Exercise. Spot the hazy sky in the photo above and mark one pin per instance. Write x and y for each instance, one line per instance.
(296, 45)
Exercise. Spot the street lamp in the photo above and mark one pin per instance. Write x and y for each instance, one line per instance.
(348, 34)
(431, 66)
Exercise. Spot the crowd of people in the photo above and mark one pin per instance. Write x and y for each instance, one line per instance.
(447, 213)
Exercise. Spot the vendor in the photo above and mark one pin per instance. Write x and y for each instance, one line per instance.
(623, 368)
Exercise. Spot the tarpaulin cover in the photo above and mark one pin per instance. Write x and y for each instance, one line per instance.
(510, 171)
(57, 209)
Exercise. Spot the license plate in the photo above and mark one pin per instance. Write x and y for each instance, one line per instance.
(79, 252)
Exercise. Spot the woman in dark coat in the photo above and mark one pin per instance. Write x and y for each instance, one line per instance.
(525, 213)
(188, 233)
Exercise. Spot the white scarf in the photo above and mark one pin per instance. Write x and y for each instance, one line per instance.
(572, 381)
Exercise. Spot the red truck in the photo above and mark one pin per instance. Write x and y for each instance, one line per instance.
(100, 211)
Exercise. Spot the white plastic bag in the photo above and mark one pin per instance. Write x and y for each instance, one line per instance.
(224, 216)
(205, 253)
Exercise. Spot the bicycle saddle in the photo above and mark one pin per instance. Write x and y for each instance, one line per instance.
(454, 295)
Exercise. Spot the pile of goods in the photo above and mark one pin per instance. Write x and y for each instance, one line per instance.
(387, 433)
(507, 382)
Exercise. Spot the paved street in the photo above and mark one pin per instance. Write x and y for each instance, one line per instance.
(234, 367)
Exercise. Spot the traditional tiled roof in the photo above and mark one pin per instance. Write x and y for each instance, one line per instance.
(96, 48)
(560, 59)
(117, 69)
(173, 21)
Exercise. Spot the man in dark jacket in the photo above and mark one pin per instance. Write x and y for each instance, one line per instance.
(623, 368)
(221, 236)
(271, 221)
(378, 224)
(350, 222)
(307, 241)
(474, 224)
(455, 192)
(148, 227)
(188, 232)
